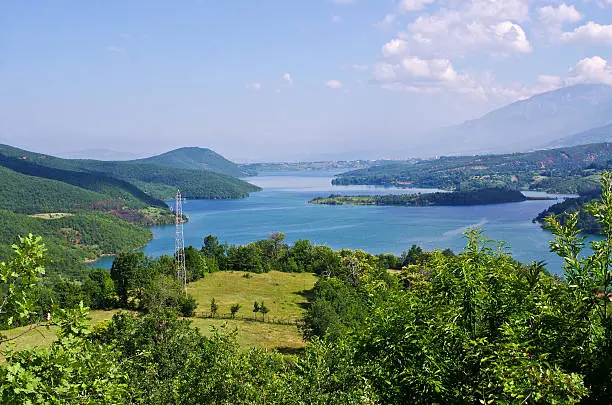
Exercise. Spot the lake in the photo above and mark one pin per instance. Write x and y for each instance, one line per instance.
(283, 206)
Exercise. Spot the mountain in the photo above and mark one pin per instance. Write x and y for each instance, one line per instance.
(595, 135)
(145, 179)
(197, 159)
(527, 124)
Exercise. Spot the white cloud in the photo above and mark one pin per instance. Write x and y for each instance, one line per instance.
(254, 86)
(394, 47)
(413, 5)
(438, 69)
(333, 84)
(360, 68)
(336, 19)
(591, 32)
(559, 15)
(472, 26)
(591, 70)
(287, 78)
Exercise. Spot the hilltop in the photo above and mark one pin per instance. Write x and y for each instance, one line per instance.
(197, 159)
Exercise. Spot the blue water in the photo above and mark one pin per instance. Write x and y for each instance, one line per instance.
(282, 206)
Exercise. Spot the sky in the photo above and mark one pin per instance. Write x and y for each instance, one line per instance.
(281, 80)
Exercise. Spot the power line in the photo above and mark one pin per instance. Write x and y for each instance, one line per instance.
(179, 241)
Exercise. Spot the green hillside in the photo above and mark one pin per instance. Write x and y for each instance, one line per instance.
(159, 182)
(73, 238)
(572, 169)
(29, 195)
(112, 188)
(197, 159)
(162, 182)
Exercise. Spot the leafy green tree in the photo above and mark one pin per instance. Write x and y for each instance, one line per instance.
(18, 277)
(234, 309)
(247, 258)
(302, 254)
(256, 307)
(100, 289)
(195, 264)
(414, 255)
(215, 250)
(264, 310)
(213, 307)
(131, 273)
(166, 292)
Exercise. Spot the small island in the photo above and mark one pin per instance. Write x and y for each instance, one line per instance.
(474, 197)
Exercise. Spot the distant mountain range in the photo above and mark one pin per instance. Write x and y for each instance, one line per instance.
(569, 116)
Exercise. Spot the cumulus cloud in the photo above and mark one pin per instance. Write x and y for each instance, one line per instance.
(591, 70)
(591, 32)
(254, 86)
(559, 15)
(333, 84)
(394, 47)
(413, 5)
(473, 26)
(336, 19)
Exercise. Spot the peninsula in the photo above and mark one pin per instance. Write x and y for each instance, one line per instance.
(475, 197)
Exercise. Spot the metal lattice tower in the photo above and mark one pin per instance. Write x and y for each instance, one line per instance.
(179, 241)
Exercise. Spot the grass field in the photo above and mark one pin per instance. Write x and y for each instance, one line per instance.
(285, 294)
(45, 336)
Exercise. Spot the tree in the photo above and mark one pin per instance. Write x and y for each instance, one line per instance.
(213, 307)
(215, 250)
(234, 309)
(100, 289)
(131, 273)
(264, 310)
(18, 277)
(256, 307)
(166, 292)
(195, 264)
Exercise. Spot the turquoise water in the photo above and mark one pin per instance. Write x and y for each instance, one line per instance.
(282, 206)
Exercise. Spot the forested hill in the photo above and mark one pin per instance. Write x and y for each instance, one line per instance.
(565, 170)
(197, 159)
(159, 182)
(476, 197)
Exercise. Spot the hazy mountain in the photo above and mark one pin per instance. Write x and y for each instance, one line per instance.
(527, 124)
(196, 159)
(595, 135)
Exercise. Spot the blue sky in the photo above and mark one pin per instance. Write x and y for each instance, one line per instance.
(279, 79)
